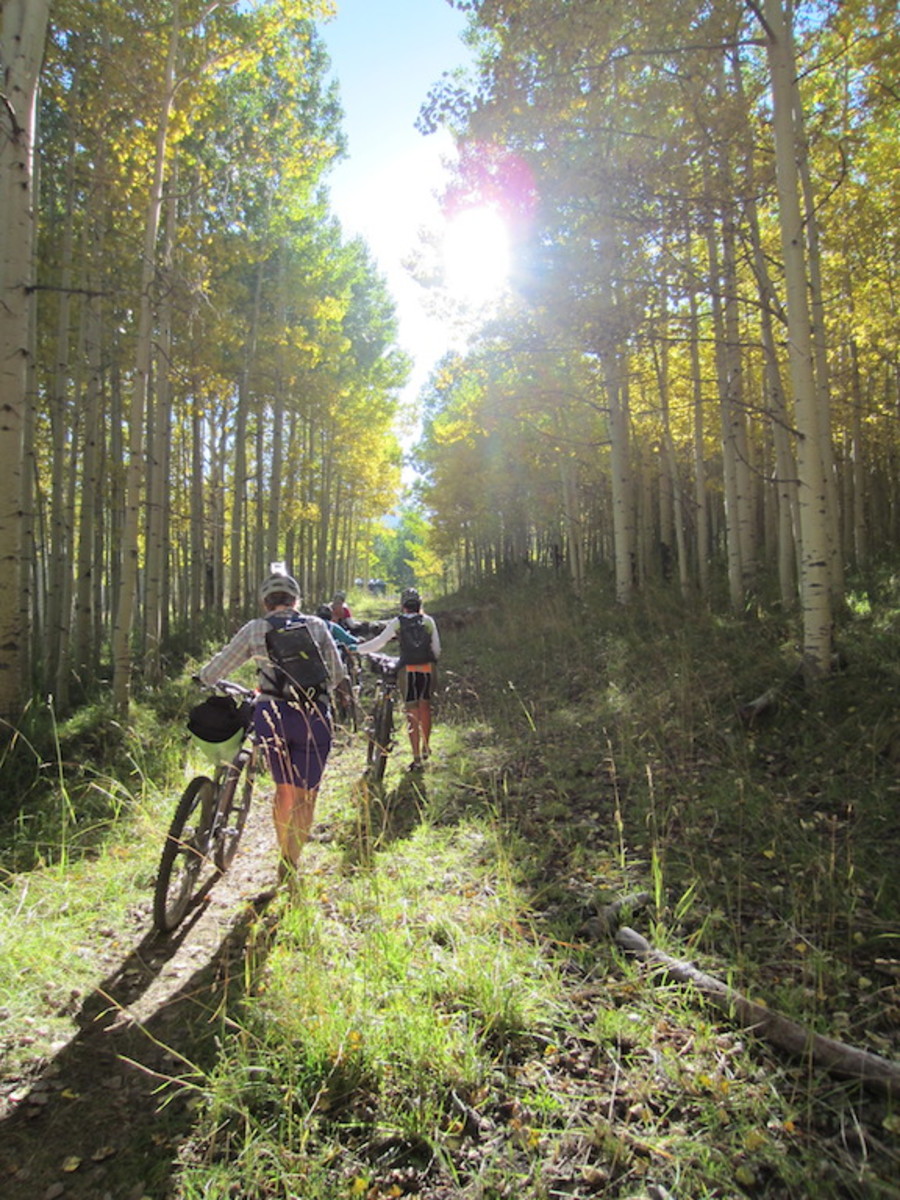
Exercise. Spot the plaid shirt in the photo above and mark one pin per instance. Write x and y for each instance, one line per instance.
(250, 642)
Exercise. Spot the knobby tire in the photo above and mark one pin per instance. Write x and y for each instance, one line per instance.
(347, 713)
(380, 738)
(184, 853)
(232, 814)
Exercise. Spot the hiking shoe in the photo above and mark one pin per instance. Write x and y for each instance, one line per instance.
(417, 764)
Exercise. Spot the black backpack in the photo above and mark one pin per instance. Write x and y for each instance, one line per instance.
(415, 640)
(299, 671)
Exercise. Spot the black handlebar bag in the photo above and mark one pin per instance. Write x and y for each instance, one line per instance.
(218, 725)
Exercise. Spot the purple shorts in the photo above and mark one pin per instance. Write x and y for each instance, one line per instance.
(296, 740)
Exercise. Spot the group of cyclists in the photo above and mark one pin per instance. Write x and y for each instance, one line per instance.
(300, 673)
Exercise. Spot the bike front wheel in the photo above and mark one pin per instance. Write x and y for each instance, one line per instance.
(184, 854)
(380, 738)
(234, 804)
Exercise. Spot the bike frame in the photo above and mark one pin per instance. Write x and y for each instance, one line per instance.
(206, 827)
(380, 729)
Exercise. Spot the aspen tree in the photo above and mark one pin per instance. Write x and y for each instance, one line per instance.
(811, 421)
(128, 586)
(23, 29)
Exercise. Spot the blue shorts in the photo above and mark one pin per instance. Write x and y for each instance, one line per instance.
(296, 740)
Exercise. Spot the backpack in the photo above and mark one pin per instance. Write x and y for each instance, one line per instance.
(299, 670)
(415, 640)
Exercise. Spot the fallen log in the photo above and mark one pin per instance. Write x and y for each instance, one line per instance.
(605, 922)
(871, 1070)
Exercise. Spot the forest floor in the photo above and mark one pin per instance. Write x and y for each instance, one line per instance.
(85, 1121)
(621, 1086)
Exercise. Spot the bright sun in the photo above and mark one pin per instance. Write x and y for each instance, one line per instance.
(476, 255)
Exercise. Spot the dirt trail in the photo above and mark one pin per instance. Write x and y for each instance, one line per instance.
(99, 1121)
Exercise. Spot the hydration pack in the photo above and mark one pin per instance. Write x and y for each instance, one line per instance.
(415, 640)
(299, 672)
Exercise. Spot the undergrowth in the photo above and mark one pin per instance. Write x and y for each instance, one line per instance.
(434, 1014)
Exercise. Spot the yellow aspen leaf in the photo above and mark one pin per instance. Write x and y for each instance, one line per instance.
(70, 1164)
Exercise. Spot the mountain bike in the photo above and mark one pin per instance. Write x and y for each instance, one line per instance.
(380, 728)
(347, 708)
(209, 819)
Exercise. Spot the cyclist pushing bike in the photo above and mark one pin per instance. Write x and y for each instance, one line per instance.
(299, 670)
(420, 648)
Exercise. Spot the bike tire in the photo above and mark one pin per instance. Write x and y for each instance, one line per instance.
(380, 738)
(345, 713)
(235, 796)
(183, 855)
(351, 716)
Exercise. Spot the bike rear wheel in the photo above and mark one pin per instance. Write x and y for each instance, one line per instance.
(348, 712)
(381, 736)
(234, 804)
(184, 853)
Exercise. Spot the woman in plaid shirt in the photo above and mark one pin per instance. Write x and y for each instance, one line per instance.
(295, 734)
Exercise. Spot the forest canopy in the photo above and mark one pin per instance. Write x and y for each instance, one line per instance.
(692, 379)
(695, 379)
(213, 371)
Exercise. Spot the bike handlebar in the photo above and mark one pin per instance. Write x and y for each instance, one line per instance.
(227, 688)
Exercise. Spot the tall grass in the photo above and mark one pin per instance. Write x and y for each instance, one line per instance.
(427, 1015)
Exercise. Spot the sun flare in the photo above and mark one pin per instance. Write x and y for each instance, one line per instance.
(476, 255)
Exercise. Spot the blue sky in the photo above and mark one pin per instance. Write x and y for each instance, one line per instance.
(386, 54)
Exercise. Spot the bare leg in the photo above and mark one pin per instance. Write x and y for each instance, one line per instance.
(418, 722)
(425, 726)
(414, 729)
(293, 809)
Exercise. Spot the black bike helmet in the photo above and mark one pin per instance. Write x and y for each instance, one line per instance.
(324, 611)
(279, 585)
(410, 595)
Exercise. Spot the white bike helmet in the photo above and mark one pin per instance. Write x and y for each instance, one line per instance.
(279, 583)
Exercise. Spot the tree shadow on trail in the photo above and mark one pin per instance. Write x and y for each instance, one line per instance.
(108, 1112)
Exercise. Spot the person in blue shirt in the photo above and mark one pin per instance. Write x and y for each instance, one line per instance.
(341, 635)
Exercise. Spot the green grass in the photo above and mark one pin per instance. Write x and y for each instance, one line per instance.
(428, 1016)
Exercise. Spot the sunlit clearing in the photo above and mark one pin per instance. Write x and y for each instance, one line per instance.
(476, 255)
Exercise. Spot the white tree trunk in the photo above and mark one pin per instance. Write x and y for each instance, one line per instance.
(701, 505)
(23, 30)
(136, 466)
(811, 421)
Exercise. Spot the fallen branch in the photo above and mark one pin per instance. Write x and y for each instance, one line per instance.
(755, 708)
(879, 1074)
(605, 922)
